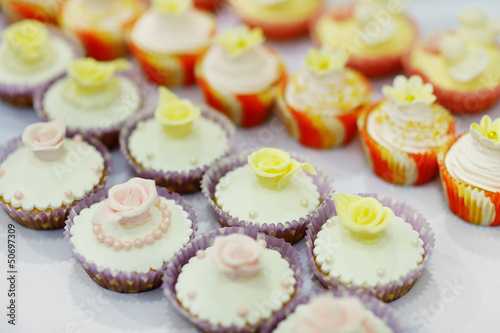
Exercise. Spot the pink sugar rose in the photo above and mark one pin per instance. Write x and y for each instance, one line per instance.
(128, 203)
(238, 256)
(327, 314)
(45, 139)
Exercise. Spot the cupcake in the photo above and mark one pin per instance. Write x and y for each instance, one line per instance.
(402, 133)
(271, 190)
(176, 145)
(239, 76)
(93, 98)
(320, 103)
(462, 65)
(32, 54)
(124, 237)
(470, 173)
(373, 244)
(40, 10)
(43, 175)
(279, 19)
(101, 25)
(209, 4)
(335, 312)
(233, 280)
(374, 33)
(167, 40)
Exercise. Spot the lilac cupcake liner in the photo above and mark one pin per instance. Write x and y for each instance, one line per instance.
(396, 288)
(108, 136)
(290, 231)
(204, 241)
(379, 309)
(53, 218)
(23, 95)
(181, 182)
(123, 282)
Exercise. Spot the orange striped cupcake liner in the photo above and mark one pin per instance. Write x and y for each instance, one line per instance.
(243, 110)
(472, 204)
(15, 10)
(310, 128)
(396, 166)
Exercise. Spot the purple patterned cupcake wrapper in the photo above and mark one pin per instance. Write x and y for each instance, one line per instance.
(397, 288)
(204, 241)
(290, 231)
(24, 94)
(123, 282)
(181, 182)
(379, 309)
(109, 135)
(55, 218)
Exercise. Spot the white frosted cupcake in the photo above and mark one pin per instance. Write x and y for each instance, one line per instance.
(239, 76)
(277, 192)
(32, 55)
(44, 175)
(177, 144)
(470, 173)
(124, 236)
(374, 244)
(167, 40)
(328, 313)
(93, 98)
(226, 284)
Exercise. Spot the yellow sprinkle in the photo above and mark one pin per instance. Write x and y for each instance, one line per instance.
(410, 98)
(492, 135)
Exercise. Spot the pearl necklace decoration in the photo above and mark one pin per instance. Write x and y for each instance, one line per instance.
(138, 242)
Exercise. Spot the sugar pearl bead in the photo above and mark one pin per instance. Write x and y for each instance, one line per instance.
(2, 172)
(78, 138)
(304, 203)
(200, 254)
(108, 241)
(163, 206)
(193, 160)
(157, 234)
(138, 243)
(380, 272)
(224, 186)
(167, 221)
(149, 239)
(252, 214)
(96, 168)
(330, 223)
(242, 312)
(127, 246)
(164, 226)
(117, 245)
(329, 259)
(100, 238)
(68, 193)
(262, 242)
(192, 294)
(414, 242)
(166, 213)
(285, 283)
(96, 229)
(18, 195)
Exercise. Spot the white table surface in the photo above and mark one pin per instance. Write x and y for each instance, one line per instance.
(457, 292)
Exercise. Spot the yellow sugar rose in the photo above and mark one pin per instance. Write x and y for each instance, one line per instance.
(172, 7)
(28, 40)
(240, 40)
(365, 218)
(90, 75)
(325, 60)
(274, 167)
(487, 132)
(177, 115)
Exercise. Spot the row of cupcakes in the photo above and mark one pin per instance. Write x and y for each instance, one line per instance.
(458, 63)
